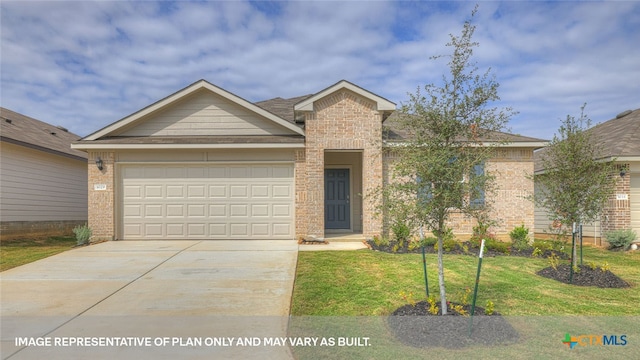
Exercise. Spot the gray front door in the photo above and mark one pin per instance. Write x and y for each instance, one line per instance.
(336, 199)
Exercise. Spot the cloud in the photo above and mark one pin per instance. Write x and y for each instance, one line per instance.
(85, 64)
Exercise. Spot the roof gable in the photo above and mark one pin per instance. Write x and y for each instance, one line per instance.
(256, 115)
(382, 104)
(26, 131)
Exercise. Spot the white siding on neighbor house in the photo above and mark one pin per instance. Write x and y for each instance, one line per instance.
(38, 186)
(543, 224)
(202, 114)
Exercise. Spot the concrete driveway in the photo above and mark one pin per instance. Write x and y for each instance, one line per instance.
(150, 299)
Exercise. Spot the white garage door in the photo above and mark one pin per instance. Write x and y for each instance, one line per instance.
(205, 201)
(635, 202)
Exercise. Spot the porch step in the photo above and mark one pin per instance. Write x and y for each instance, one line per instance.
(344, 238)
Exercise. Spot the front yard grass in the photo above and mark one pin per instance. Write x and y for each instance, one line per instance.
(19, 252)
(366, 283)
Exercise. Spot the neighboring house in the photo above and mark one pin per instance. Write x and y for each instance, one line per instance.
(620, 138)
(43, 182)
(204, 163)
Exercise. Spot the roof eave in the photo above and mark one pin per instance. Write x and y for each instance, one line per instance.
(519, 144)
(106, 146)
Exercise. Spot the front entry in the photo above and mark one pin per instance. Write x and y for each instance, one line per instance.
(337, 210)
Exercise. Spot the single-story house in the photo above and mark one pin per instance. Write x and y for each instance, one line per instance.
(620, 139)
(43, 182)
(204, 163)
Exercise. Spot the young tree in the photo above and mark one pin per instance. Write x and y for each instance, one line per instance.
(440, 166)
(576, 182)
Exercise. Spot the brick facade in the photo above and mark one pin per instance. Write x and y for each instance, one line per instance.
(617, 213)
(342, 120)
(512, 168)
(102, 202)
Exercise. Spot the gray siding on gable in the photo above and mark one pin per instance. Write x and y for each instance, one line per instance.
(204, 114)
(38, 186)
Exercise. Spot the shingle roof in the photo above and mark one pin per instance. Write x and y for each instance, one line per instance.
(26, 131)
(393, 132)
(282, 107)
(620, 137)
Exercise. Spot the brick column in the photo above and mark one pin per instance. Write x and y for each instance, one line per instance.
(101, 196)
(617, 212)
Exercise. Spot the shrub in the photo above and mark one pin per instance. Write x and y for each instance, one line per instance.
(429, 241)
(414, 243)
(536, 252)
(554, 261)
(520, 237)
(497, 246)
(481, 231)
(83, 234)
(489, 309)
(620, 239)
(433, 305)
(448, 245)
(401, 231)
(380, 240)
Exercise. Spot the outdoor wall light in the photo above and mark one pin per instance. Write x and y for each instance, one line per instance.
(623, 173)
(99, 164)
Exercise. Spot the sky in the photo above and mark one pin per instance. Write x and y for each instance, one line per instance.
(86, 64)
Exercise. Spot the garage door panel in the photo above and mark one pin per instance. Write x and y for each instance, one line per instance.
(213, 201)
(153, 211)
(282, 191)
(132, 211)
(196, 191)
(197, 230)
(134, 230)
(177, 230)
(175, 191)
(282, 229)
(218, 191)
(218, 230)
(217, 210)
(196, 210)
(238, 191)
(260, 229)
(239, 229)
(153, 192)
(175, 210)
(282, 210)
(133, 192)
(154, 229)
(238, 210)
(260, 210)
(259, 191)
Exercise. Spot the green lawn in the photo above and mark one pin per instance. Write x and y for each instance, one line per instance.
(364, 283)
(19, 252)
(349, 293)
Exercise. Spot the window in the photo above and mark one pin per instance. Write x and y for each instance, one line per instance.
(478, 200)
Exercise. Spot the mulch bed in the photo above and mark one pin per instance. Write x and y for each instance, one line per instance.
(415, 326)
(471, 251)
(586, 276)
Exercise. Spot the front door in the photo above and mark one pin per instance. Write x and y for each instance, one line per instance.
(336, 199)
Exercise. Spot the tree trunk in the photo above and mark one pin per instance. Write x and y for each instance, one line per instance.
(443, 295)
